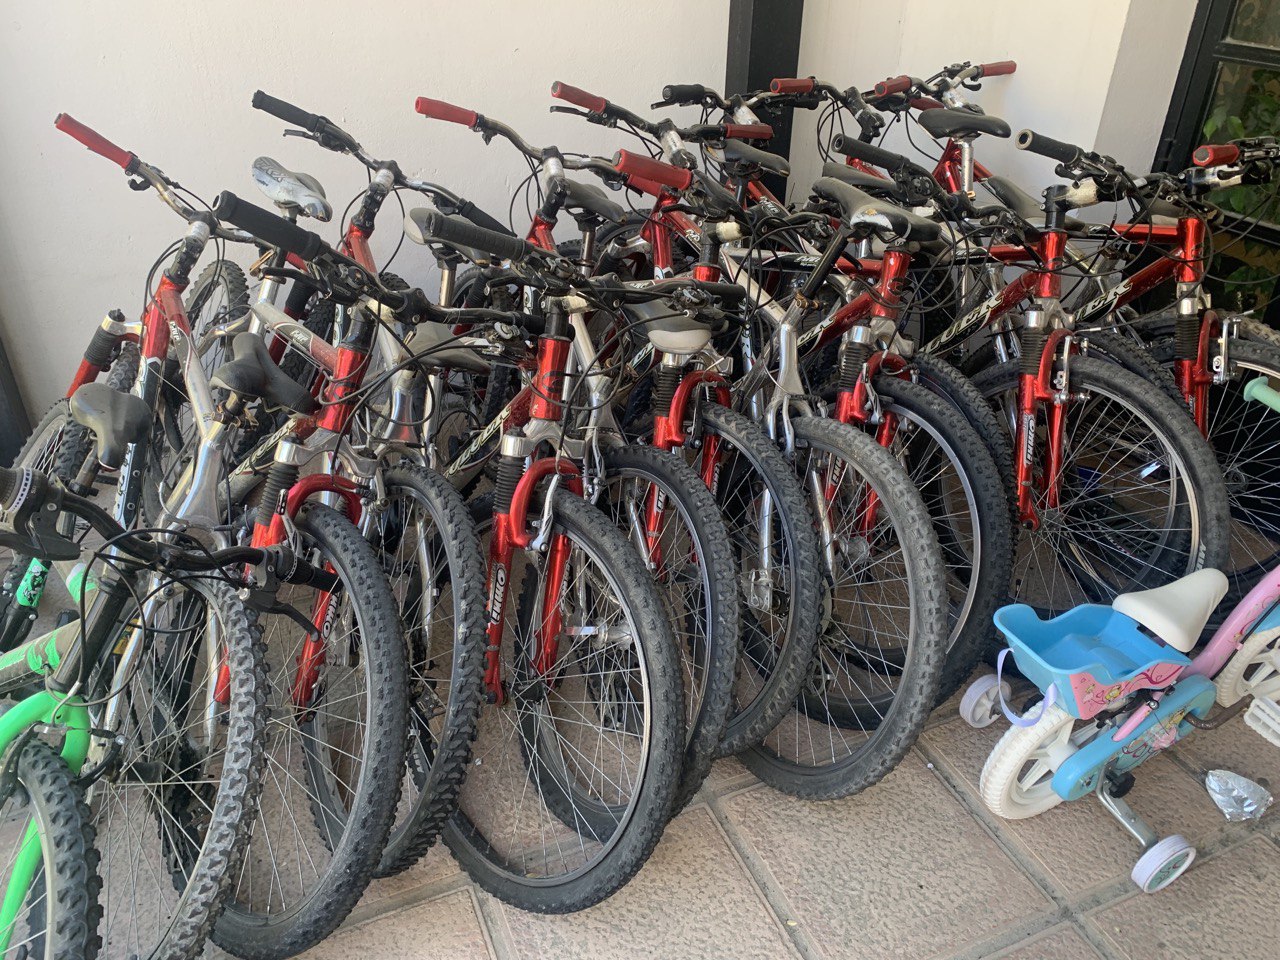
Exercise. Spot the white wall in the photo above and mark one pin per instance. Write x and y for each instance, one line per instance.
(173, 83)
(1099, 73)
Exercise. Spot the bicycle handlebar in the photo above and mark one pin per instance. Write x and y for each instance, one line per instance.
(1213, 155)
(440, 110)
(1067, 154)
(313, 123)
(466, 234)
(578, 97)
(1000, 68)
(655, 171)
(870, 153)
(273, 230)
(791, 85)
(898, 84)
(95, 141)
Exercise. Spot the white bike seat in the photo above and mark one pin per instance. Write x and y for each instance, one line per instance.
(289, 190)
(1178, 611)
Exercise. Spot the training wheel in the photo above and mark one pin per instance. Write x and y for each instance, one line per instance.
(980, 705)
(1163, 863)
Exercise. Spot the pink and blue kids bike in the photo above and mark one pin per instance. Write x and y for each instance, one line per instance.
(1119, 686)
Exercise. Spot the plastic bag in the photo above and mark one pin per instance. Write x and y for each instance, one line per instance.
(1239, 798)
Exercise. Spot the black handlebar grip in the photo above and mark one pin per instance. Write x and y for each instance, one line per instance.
(684, 93)
(287, 112)
(272, 230)
(481, 219)
(729, 294)
(1065, 153)
(466, 234)
(868, 153)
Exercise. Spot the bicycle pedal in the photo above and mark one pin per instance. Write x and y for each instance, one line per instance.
(1263, 718)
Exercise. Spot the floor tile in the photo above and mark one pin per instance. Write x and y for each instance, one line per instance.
(436, 866)
(728, 774)
(1060, 943)
(446, 928)
(900, 870)
(1079, 845)
(692, 901)
(1227, 908)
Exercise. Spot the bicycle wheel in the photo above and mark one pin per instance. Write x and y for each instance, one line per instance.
(775, 553)
(1142, 499)
(430, 553)
(218, 296)
(948, 464)
(56, 912)
(335, 750)
(1245, 436)
(692, 565)
(944, 380)
(58, 447)
(875, 674)
(574, 775)
(174, 803)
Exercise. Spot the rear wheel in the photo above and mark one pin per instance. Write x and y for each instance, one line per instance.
(574, 774)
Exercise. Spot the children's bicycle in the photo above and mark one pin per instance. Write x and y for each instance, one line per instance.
(1119, 686)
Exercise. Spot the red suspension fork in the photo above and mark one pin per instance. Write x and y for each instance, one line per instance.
(1035, 389)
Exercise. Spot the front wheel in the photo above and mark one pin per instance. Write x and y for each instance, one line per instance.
(874, 677)
(575, 772)
(1141, 499)
(51, 881)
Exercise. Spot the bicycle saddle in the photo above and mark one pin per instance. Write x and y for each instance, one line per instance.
(961, 124)
(867, 182)
(858, 207)
(735, 151)
(1178, 611)
(291, 191)
(252, 374)
(670, 331)
(1024, 204)
(426, 343)
(116, 420)
(591, 200)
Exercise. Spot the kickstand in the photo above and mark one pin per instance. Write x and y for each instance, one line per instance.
(1117, 807)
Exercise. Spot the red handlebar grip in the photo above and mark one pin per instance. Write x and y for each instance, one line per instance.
(646, 168)
(1212, 155)
(93, 140)
(926, 103)
(439, 110)
(579, 98)
(999, 69)
(893, 85)
(748, 131)
(791, 85)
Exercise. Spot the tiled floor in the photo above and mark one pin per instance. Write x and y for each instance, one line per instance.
(914, 868)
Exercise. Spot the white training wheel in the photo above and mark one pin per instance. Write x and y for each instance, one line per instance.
(980, 705)
(1163, 863)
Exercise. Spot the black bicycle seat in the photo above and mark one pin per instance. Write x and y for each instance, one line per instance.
(116, 420)
(252, 374)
